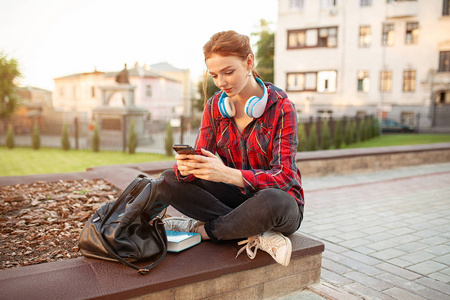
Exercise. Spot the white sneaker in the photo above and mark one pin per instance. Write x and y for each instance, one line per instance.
(274, 243)
(181, 224)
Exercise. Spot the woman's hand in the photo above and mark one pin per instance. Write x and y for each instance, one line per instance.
(208, 167)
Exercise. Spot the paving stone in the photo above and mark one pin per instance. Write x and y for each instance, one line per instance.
(427, 267)
(439, 250)
(436, 240)
(366, 292)
(399, 293)
(334, 247)
(362, 258)
(400, 262)
(363, 250)
(335, 267)
(376, 284)
(334, 278)
(418, 257)
(401, 282)
(401, 231)
(412, 247)
(445, 259)
(381, 236)
(350, 235)
(382, 245)
(398, 271)
(440, 277)
(388, 254)
(351, 244)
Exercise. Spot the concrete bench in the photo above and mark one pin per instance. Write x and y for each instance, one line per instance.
(206, 270)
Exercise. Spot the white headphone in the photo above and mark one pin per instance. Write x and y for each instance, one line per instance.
(254, 107)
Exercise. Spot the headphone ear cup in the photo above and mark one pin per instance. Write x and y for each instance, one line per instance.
(228, 108)
(254, 107)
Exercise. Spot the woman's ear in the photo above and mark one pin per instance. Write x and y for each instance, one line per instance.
(250, 61)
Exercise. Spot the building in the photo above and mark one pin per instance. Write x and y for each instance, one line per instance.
(81, 93)
(347, 57)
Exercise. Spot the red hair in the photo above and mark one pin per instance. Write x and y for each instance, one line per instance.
(228, 43)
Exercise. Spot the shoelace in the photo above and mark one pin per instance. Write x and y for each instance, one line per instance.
(251, 242)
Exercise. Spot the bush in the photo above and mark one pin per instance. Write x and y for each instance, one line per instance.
(361, 131)
(354, 131)
(132, 138)
(368, 128)
(96, 139)
(312, 138)
(168, 140)
(36, 137)
(348, 132)
(326, 136)
(65, 140)
(301, 137)
(375, 127)
(337, 141)
(10, 138)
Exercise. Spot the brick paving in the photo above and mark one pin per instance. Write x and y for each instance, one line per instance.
(386, 233)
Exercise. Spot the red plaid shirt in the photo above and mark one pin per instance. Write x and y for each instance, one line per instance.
(264, 152)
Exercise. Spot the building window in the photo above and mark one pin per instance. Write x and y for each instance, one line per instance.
(322, 82)
(386, 81)
(412, 33)
(409, 81)
(363, 81)
(365, 37)
(327, 4)
(148, 91)
(444, 61)
(365, 3)
(297, 4)
(93, 92)
(326, 82)
(312, 37)
(446, 8)
(388, 35)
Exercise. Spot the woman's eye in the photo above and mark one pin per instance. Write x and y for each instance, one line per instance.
(229, 72)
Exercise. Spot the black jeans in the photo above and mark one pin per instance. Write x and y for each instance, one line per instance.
(229, 214)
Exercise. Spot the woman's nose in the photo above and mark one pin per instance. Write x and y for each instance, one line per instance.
(221, 82)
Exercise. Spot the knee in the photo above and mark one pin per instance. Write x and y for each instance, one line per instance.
(278, 201)
(169, 176)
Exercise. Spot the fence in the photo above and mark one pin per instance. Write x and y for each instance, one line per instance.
(153, 133)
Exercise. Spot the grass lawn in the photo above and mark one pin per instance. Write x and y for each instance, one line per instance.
(26, 161)
(401, 139)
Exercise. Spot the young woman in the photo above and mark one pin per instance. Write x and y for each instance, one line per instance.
(252, 189)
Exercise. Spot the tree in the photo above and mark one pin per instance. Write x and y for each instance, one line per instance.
(265, 48)
(10, 138)
(36, 137)
(9, 73)
(337, 141)
(96, 139)
(168, 141)
(65, 140)
(211, 89)
(301, 138)
(132, 138)
(325, 136)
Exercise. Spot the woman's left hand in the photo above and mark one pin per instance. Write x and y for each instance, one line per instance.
(210, 167)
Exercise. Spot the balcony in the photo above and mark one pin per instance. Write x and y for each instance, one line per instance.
(402, 9)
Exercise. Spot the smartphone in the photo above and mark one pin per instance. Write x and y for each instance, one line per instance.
(184, 149)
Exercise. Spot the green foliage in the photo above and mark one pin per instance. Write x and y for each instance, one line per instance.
(168, 140)
(354, 131)
(96, 139)
(325, 135)
(265, 48)
(132, 138)
(36, 137)
(211, 89)
(337, 141)
(348, 132)
(10, 137)
(9, 73)
(375, 127)
(361, 136)
(368, 128)
(301, 137)
(312, 138)
(65, 140)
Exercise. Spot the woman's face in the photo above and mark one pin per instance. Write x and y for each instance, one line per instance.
(230, 73)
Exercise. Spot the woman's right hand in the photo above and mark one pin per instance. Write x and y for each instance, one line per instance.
(183, 163)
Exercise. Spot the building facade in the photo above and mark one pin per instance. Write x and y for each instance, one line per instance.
(347, 57)
(81, 93)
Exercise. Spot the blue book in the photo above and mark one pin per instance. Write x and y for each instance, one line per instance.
(178, 241)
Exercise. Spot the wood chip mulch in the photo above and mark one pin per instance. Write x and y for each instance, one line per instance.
(41, 222)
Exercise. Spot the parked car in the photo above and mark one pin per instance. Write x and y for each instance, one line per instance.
(388, 125)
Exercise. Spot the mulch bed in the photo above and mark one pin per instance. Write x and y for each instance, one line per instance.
(41, 222)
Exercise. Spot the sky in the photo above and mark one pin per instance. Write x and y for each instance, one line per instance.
(55, 38)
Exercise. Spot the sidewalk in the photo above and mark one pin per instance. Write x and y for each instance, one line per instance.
(386, 234)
